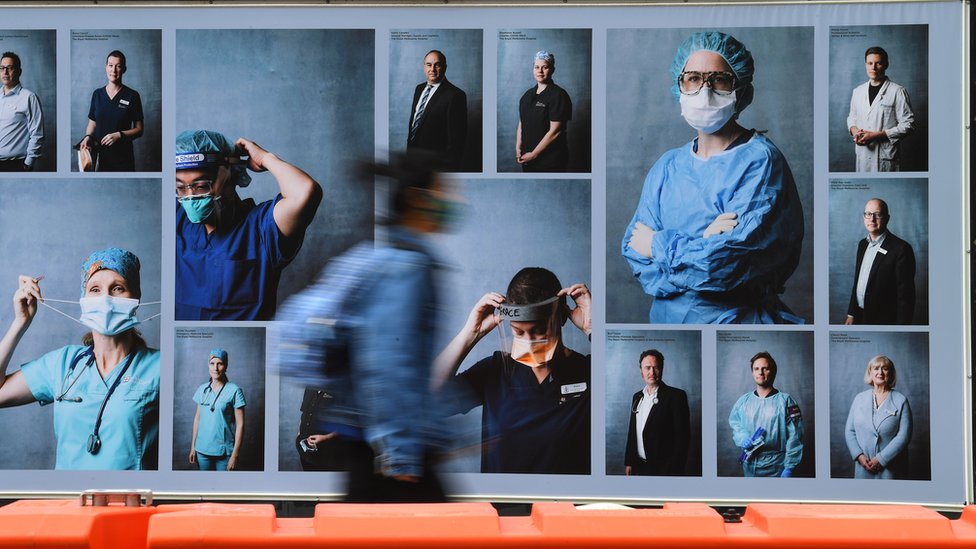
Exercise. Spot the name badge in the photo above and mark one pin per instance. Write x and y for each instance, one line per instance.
(882, 251)
(124, 102)
(540, 104)
(573, 388)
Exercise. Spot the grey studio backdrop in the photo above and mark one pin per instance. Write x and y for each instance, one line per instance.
(143, 61)
(36, 49)
(464, 50)
(516, 55)
(54, 245)
(245, 367)
(850, 353)
(644, 121)
(793, 352)
(288, 102)
(482, 255)
(682, 370)
(908, 202)
(908, 59)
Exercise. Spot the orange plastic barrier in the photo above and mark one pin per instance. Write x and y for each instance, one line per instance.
(66, 524)
(477, 525)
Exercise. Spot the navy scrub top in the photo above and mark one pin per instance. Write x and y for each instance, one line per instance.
(113, 115)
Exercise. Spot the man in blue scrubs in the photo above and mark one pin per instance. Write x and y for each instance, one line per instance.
(536, 393)
(230, 252)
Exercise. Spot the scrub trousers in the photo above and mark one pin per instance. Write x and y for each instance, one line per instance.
(212, 463)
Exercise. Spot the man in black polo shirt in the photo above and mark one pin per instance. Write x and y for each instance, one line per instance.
(536, 393)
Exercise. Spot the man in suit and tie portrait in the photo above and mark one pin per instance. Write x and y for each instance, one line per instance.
(884, 275)
(658, 434)
(439, 113)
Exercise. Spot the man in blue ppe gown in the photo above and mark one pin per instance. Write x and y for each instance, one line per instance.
(767, 425)
(230, 252)
(719, 226)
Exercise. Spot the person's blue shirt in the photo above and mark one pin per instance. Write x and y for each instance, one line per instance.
(233, 272)
(527, 426)
(215, 432)
(779, 416)
(130, 423)
(733, 277)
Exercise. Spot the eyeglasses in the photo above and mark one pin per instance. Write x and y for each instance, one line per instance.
(720, 82)
(199, 188)
(874, 215)
(7, 68)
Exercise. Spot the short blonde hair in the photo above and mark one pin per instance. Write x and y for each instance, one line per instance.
(881, 360)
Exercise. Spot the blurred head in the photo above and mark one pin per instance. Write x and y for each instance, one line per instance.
(880, 372)
(736, 58)
(115, 66)
(876, 63)
(435, 66)
(218, 364)
(876, 217)
(10, 69)
(763, 369)
(543, 67)
(652, 367)
(422, 198)
(113, 272)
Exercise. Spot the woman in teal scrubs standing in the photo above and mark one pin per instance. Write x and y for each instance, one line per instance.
(105, 392)
(218, 428)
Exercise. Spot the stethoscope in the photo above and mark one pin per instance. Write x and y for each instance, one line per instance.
(94, 442)
(639, 402)
(213, 405)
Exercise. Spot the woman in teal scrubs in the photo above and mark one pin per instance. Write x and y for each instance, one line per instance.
(218, 428)
(105, 392)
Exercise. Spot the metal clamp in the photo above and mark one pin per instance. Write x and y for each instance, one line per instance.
(102, 498)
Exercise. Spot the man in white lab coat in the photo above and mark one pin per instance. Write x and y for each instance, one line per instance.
(880, 117)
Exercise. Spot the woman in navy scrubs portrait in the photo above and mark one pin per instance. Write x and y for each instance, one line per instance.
(114, 120)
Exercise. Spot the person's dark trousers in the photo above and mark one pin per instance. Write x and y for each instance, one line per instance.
(365, 486)
(12, 165)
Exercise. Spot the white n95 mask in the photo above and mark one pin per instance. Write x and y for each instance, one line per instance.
(707, 111)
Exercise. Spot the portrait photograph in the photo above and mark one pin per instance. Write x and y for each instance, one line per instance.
(116, 99)
(29, 125)
(218, 381)
(662, 408)
(766, 410)
(447, 120)
(544, 108)
(879, 406)
(268, 158)
(879, 251)
(717, 235)
(99, 274)
(879, 98)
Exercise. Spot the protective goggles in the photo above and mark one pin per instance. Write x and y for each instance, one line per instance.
(204, 160)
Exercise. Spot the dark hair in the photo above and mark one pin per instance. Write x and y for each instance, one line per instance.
(877, 50)
(769, 358)
(654, 353)
(116, 53)
(532, 285)
(417, 169)
(13, 56)
(440, 55)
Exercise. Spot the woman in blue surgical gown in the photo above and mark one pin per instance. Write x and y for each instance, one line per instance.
(719, 226)
(105, 392)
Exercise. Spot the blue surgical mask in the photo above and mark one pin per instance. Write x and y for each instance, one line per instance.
(109, 315)
(198, 208)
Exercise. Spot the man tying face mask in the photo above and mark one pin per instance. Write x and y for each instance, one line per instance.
(230, 252)
(535, 391)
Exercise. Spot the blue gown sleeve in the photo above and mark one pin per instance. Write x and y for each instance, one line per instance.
(763, 248)
(741, 431)
(900, 442)
(794, 434)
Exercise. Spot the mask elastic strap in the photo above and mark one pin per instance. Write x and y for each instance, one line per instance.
(66, 315)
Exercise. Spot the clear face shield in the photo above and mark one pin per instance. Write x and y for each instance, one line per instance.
(532, 332)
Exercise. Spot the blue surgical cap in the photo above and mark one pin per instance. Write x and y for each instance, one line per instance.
(211, 149)
(219, 353)
(543, 55)
(121, 261)
(734, 53)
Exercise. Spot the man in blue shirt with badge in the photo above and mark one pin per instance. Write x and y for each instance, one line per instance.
(230, 252)
(21, 119)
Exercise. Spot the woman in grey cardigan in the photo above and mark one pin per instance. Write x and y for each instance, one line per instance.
(879, 425)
